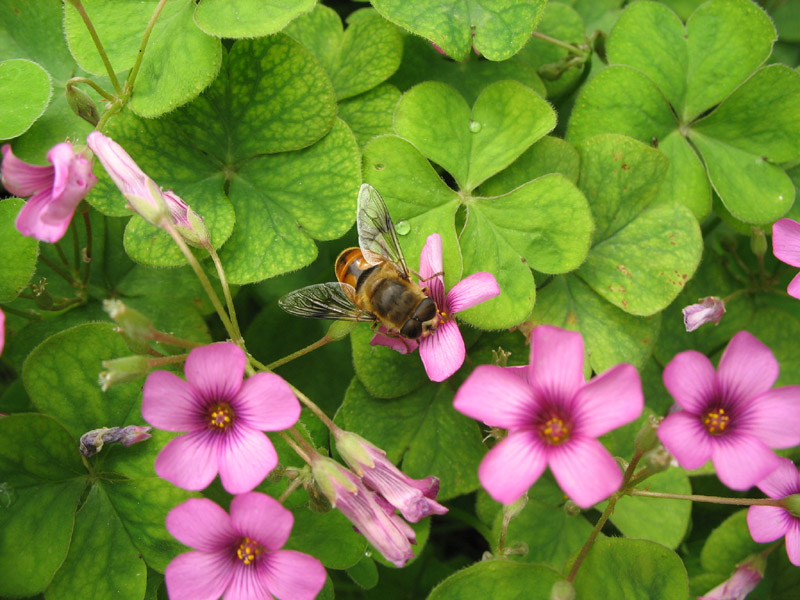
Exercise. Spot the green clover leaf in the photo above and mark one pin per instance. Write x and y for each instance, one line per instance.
(496, 29)
(358, 59)
(247, 18)
(24, 94)
(18, 253)
(667, 76)
(497, 579)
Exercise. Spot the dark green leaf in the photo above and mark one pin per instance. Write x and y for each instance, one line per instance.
(499, 580)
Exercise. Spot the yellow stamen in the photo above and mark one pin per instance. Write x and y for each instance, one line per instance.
(554, 431)
(220, 416)
(716, 421)
(248, 551)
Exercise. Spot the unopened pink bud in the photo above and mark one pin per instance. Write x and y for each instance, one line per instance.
(710, 310)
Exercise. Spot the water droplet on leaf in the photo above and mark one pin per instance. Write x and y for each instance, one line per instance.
(402, 227)
(474, 126)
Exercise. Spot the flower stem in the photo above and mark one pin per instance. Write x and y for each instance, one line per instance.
(282, 361)
(293, 485)
(711, 499)
(165, 338)
(50, 263)
(112, 109)
(166, 360)
(226, 290)
(314, 408)
(201, 275)
(145, 38)
(568, 47)
(294, 446)
(98, 44)
(30, 315)
(88, 256)
(93, 85)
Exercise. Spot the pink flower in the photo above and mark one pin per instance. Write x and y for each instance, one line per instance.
(224, 417)
(768, 523)
(55, 191)
(443, 351)
(414, 498)
(710, 310)
(239, 556)
(372, 516)
(743, 581)
(553, 417)
(730, 416)
(786, 248)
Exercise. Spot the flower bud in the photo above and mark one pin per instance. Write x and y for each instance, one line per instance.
(121, 370)
(93, 441)
(188, 223)
(340, 329)
(792, 504)
(657, 460)
(647, 437)
(511, 511)
(572, 509)
(562, 590)
(133, 324)
(744, 579)
(710, 310)
(758, 241)
(82, 105)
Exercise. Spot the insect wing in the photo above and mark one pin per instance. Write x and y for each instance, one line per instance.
(331, 300)
(376, 235)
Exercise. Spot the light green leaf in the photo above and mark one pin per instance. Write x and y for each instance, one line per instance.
(43, 479)
(17, 253)
(634, 516)
(102, 560)
(762, 117)
(499, 580)
(686, 178)
(473, 145)
(24, 94)
(727, 40)
(61, 375)
(370, 114)
(246, 18)
(752, 189)
(358, 59)
(290, 198)
(364, 573)
(636, 262)
(611, 336)
(496, 29)
(548, 155)
(728, 545)
(621, 569)
(422, 431)
(384, 372)
(180, 60)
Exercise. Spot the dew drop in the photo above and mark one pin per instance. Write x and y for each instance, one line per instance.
(402, 227)
(474, 126)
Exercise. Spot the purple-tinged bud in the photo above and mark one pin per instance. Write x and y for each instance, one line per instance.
(144, 196)
(81, 104)
(387, 532)
(710, 310)
(189, 224)
(93, 441)
(122, 370)
(744, 579)
(414, 498)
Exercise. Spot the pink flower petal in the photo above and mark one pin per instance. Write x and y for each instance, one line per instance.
(774, 417)
(261, 518)
(293, 575)
(30, 220)
(512, 466)
(556, 363)
(786, 241)
(793, 542)
(189, 461)
(472, 290)
(24, 179)
(767, 523)
(247, 584)
(794, 287)
(198, 575)
(200, 523)
(401, 345)
(72, 180)
(690, 379)
(497, 397)
(443, 352)
(747, 368)
(245, 458)
(171, 404)
(686, 439)
(216, 370)
(742, 460)
(783, 481)
(431, 271)
(267, 403)
(585, 470)
(609, 401)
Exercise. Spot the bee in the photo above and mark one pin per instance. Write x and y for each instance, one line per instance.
(374, 283)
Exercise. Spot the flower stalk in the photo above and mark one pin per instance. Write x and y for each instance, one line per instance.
(98, 44)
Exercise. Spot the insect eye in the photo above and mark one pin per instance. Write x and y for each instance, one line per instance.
(426, 310)
(412, 329)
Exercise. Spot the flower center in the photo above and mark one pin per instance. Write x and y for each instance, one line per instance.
(716, 421)
(220, 416)
(248, 551)
(554, 431)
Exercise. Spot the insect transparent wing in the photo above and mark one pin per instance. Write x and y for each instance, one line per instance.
(376, 235)
(331, 300)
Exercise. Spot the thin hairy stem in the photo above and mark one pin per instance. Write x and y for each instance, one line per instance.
(98, 44)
